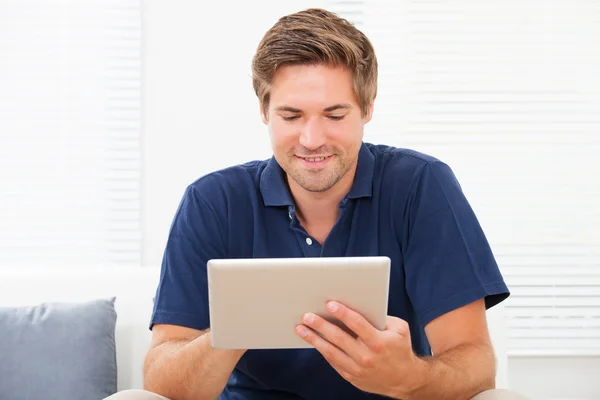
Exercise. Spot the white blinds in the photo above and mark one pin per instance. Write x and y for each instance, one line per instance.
(508, 94)
(70, 120)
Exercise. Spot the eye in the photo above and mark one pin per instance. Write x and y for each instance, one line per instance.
(336, 117)
(290, 118)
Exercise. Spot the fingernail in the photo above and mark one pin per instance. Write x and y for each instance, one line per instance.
(332, 306)
(309, 318)
(302, 331)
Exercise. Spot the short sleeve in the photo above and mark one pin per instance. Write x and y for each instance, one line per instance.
(195, 237)
(448, 261)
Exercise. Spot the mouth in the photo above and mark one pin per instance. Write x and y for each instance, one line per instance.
(315, 159)
(315, 162)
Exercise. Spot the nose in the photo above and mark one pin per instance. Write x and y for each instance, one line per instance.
(312, 135)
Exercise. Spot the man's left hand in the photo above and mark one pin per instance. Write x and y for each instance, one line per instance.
(381, 362)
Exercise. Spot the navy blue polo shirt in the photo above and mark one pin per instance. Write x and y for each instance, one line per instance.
(403, 204)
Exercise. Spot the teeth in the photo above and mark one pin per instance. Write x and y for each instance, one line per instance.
(315, 159)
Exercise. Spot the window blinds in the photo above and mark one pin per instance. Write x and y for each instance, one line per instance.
(507, 93)
(70, 120)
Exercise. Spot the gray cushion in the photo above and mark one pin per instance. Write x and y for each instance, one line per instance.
(58, 351)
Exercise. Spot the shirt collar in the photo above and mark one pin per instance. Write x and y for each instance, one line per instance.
(363, 179)
(275, 191)
(273, 186)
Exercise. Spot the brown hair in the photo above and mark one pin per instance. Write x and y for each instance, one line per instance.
(316, 36)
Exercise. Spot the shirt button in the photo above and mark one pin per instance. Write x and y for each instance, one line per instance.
(308, 241)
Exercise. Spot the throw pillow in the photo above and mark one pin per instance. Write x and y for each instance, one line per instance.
(58, 351)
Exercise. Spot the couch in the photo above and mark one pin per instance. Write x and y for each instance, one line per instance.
(134, 289)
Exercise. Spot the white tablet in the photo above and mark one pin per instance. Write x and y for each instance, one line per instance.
(257, 303)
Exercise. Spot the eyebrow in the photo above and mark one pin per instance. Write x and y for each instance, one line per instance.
(338, 106)
(328, 109)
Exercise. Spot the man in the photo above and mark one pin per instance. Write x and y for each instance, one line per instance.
(327, 193)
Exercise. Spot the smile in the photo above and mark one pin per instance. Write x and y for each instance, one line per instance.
(315, 159)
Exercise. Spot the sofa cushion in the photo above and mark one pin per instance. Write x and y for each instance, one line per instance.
(58, 351)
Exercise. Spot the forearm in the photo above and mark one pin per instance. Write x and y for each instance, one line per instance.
(185, 370)
(458, 374)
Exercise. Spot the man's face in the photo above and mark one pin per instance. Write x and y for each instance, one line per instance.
(315, 124)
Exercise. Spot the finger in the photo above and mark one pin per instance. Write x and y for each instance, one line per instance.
(367, 333)
(338, 359)
(397, 325)
(335, 335)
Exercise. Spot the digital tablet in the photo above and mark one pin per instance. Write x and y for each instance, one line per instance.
(257, 303)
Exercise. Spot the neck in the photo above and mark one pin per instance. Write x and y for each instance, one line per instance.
(319, 208)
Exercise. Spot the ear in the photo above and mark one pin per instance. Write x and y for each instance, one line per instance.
(263, 115)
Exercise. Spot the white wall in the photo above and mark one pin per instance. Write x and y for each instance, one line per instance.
(198, 96)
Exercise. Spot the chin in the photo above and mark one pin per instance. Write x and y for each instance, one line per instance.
(316, 189)
(314, 181)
